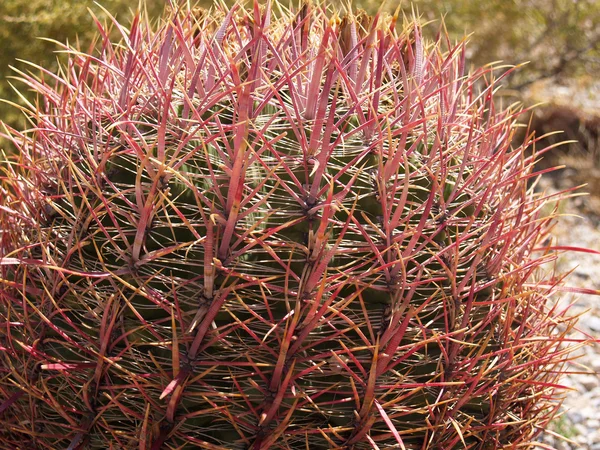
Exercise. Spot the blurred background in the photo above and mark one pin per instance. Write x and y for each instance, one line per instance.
(559, 40)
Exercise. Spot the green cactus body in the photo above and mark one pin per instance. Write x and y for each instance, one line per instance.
(253, 230)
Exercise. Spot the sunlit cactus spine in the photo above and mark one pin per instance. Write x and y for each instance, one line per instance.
(273, 228)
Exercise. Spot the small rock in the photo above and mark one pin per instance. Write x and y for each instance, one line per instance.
(582, 437)
(593, 424)
(562, 445)
(586, 271)
(589, 412)
(575, 416)
(588, 382)
(591, 322)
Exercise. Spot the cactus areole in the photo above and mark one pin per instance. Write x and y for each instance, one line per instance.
(272, 228)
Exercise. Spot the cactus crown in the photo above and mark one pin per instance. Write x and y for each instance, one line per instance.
(273, 228)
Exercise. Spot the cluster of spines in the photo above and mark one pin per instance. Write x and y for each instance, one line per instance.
(273, 231)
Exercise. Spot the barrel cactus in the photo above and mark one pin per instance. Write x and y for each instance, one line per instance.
(273, 228)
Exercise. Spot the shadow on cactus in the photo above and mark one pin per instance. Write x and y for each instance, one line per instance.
(274, 228)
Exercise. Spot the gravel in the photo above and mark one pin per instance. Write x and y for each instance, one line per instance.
(580, 423)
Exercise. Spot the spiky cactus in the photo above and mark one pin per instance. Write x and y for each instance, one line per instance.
(272, 229)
